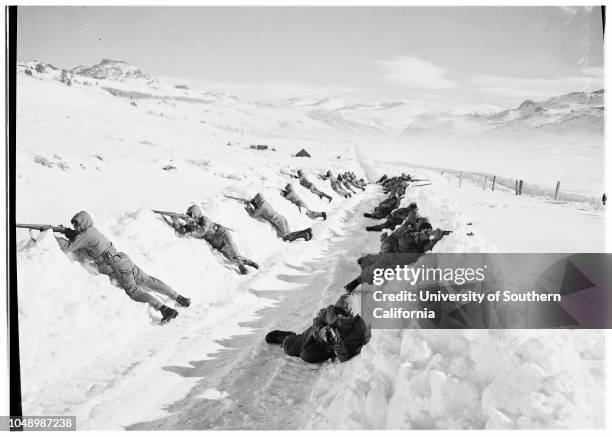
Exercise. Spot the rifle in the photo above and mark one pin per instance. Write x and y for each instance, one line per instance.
(239, 199)
(417, 180)
(171, 214)
(428, 232)
(289, 174)
(422, 185)
(62, 229)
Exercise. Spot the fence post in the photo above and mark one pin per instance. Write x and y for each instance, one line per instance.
(521, 188)
(557, 189)
(460, 177)
(516, 187)
(484, 185)
(493, 184)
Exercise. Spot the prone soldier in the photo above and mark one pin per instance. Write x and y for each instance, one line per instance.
(289, 193)
(336, 332)
(87, 243)
(196, 224)
(260, 209)
(309, 185)
(397, 217)
(413, 238)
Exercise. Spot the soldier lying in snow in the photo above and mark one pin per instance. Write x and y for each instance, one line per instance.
(86, 242)
(397, 217)
(309, 185)
(290, 194)
(411, 237)
(218, 236)
(336, 332)
(259, 208)
(351, 178)
(336, 185)
(385, 207)
(346, 185)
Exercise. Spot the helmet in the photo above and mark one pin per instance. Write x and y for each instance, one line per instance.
(300, 172)
(194, 211)
(289, 187)
(413, 205)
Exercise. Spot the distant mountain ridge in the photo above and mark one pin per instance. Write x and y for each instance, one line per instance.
(575, 113)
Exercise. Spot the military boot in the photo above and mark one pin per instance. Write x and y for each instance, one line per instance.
(277, 337)
(167, 314)
(351, 286)
(251, 263)
(298, 234)
(183, 301)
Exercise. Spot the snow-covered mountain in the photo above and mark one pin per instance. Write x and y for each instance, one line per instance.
(113, 70)
(578, 114)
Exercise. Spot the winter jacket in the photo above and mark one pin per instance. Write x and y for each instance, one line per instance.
(353, 333)
(89, 241)
(305, 182)
(290, 194)
(264, 211)
(202, 227)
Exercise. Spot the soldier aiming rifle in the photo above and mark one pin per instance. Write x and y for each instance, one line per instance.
(195, 224)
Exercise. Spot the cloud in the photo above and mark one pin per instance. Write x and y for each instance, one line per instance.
(538, 88)
(412, 72)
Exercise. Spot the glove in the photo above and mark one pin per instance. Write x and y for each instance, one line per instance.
(70, 233)
(328, 335)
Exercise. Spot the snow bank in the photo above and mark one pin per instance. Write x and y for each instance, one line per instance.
(423, 379)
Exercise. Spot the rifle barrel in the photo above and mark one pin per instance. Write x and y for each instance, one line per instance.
(38, 227)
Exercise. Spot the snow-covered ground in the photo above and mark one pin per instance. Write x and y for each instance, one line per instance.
(87, 350)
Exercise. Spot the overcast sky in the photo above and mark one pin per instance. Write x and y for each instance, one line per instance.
(498, 55)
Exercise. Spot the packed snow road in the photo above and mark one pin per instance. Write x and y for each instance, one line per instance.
(252, 385)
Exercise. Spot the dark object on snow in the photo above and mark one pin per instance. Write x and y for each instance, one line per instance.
(277, 337)
(168, 167)
(604, 199)
(167, 314)
(303, 154)
(133, 103)
(28, 72)
(183, 301)
(336, 332)
(259, 146)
